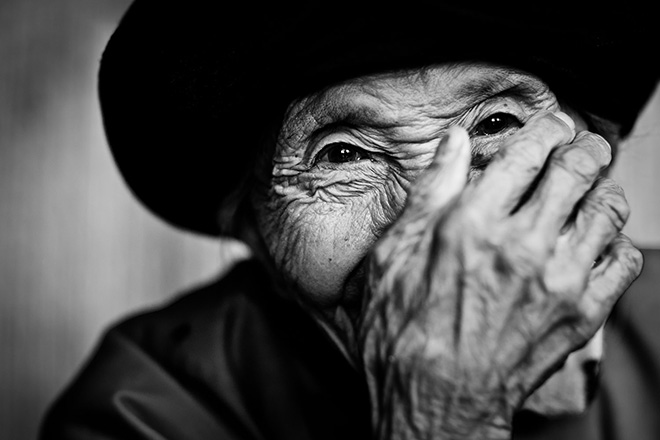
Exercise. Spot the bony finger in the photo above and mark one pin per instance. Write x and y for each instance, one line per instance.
(447, 175)
(570, 172)
(622, 252)
(538, 137)
(521, 159)
(621, 264)
(453, 150)
(597, 146)
(600, 216)
(570, 123)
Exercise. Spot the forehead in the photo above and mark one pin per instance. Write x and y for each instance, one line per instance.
(440, 91)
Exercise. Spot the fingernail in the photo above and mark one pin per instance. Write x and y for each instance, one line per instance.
(567, 120)
(603, 141)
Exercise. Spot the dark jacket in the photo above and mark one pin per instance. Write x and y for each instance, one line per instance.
(232, 360)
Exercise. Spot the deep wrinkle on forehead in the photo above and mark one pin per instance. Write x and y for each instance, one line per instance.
(386, 101)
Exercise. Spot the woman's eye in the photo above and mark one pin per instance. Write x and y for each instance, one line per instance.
(341, 152)
(496, 123)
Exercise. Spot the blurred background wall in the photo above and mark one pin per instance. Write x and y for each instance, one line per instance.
(76, 251)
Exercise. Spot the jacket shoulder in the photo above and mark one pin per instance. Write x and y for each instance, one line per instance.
(146, 377)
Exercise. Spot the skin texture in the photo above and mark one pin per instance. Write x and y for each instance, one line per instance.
(459, 288)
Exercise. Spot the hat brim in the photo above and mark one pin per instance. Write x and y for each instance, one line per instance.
(187, 88)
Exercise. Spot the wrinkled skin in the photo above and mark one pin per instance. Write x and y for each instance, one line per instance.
(458, 289)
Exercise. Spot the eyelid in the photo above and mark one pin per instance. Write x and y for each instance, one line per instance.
(484, 147)
(497, 105)
(491, 106)
(324, 151)
(512, 123)
(316, 147)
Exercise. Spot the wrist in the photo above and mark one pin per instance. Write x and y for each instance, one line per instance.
(417, 402)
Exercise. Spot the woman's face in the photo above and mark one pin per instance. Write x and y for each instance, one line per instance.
(347, 156)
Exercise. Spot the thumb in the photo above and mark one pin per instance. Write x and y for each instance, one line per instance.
(447, 175)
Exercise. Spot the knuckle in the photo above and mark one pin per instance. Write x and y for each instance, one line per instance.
(610, 185)
(555, 128)
(565, 305)
(468, 214)
(619, 211)
(610, 203)
(471, 217)
(528, 253)
(585, 325)
(568, 304)
(577, 161)
(463, 228)
(567, 285)
(526, 151)
(532, 144)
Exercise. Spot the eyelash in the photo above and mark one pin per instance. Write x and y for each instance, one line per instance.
(350, 150)
(330, 149)
(512, 121)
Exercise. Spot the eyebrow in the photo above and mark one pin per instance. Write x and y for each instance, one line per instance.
(361, 116)
(479, 89)
(472, 92)
(483, 87)
(357, 116)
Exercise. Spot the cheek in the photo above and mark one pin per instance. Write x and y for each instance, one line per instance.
(325, 248)
(318, 238)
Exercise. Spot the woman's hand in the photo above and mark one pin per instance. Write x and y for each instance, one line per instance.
(480, 290)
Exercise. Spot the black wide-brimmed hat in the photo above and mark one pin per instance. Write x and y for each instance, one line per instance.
(188, 87)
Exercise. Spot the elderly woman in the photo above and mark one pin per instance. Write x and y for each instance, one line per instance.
(435, 246)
